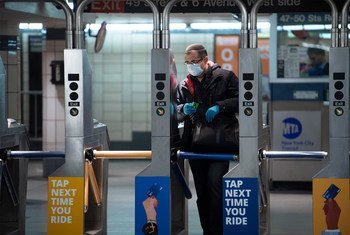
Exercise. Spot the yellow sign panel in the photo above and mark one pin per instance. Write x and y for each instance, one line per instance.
(65, 205)
(331, 206)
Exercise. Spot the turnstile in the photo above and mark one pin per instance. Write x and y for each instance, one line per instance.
(84, 215)
(155, 180)
(13, 174)
(331, 186)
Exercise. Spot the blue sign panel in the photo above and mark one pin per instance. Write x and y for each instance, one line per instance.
(152, 202)
(241, 206)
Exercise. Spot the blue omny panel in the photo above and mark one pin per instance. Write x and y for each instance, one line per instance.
(299, 91)
(152, 197)
(241, 206)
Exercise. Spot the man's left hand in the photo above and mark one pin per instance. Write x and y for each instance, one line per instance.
(212, 112)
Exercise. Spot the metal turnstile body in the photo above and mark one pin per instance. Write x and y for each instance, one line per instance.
(83, 132)
(12, 136)
(172, 214)
(336, 175)
(339, 123)
(250, 173)
(313, 118)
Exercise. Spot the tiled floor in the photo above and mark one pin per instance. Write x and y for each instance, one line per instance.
(291, 210)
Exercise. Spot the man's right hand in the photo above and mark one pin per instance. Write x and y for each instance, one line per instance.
(189, 108)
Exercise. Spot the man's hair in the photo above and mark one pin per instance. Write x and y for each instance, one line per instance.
(315, 51)
(202, 52)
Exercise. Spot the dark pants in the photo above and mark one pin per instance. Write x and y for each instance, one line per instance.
(207, 176)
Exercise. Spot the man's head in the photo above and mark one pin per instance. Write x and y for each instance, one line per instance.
(317, 56)
(196, 59)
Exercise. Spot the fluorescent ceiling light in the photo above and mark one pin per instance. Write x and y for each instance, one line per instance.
(328, 26)
(263, 25)
(133, 27)
(216, 25)
(292, 27)
(177, 26)
(23, 25)
(31, 26)
(314, 26)
(325, 35)
(121, 27)
(129, 27)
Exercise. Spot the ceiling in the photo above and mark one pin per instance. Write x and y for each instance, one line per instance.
(47, 13)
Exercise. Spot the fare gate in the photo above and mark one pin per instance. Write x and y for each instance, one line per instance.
(245, 199)
(87, 212)
(155, 180)
(245, 187)
(331, 186)
(13, 174)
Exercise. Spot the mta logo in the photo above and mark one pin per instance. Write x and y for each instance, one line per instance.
(292, 128)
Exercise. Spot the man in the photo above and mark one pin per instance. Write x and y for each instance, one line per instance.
(207, 95)
(318, 63)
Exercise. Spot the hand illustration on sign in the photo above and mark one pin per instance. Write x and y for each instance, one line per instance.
(331, 210)
(150, 204)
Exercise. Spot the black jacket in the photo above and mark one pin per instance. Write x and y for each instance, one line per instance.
(218, 87)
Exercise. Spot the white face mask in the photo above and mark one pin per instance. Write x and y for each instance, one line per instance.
(194, 69)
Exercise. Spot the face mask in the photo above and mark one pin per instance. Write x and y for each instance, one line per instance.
(194, 69)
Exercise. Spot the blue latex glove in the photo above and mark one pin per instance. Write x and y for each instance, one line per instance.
(189, 108)
(211, 113)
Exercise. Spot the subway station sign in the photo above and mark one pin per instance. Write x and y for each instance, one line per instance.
(305, 18)
(203, 6)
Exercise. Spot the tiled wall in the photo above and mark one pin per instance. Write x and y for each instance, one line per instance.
(11, 59)
(26, 93)
(53, 99)
(122, 79)
(121, 84)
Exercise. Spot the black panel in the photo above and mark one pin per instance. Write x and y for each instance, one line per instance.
(338, 85)
(248, 95)
(285, 91)
(160, 95)
(248, 85)
(73, 86)
(73, 77)
(73, 96)
(339, 76)
(339, 95)
(160, 85)
(248, 76)
(160, 76)
(338, 103)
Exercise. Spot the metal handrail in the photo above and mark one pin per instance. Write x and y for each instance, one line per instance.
(79, 24)
(295, 154)
(169, 6)
(253, 40)
(122, 154)
(69, 22)
(344, 25)
(334, 30)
